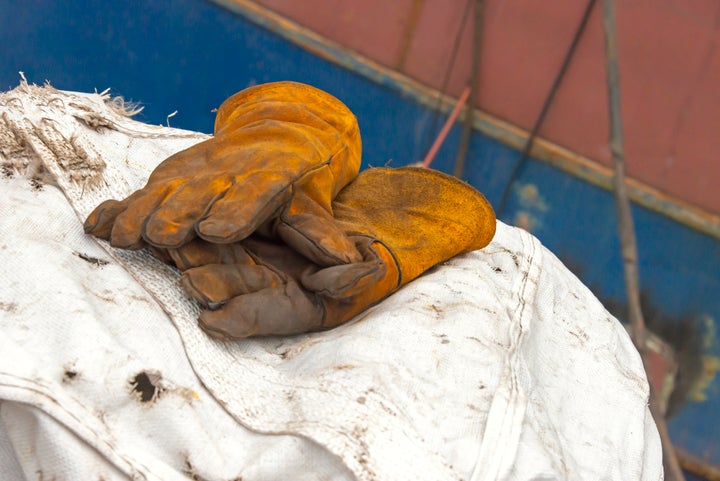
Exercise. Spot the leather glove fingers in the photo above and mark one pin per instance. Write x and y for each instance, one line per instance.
(402, 221)
(247, 301)
(250, 299)
(280, 155)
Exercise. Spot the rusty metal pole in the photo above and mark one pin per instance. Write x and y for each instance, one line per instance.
(628, 242)
(474, 80)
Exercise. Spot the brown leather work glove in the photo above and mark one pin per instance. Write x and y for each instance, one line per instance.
(281, 152)
(403, 221)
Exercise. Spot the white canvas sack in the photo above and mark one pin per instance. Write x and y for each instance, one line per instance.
(496, 365)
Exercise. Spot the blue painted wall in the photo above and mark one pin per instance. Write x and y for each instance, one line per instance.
(189, 55)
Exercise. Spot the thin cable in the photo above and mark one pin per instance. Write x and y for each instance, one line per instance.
(546, 106)
(448, 71)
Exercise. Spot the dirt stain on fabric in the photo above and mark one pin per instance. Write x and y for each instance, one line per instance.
(8, 306)
(94, 261)
(190, 470)
(69, 374)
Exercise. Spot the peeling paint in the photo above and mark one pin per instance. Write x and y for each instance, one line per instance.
(710, 338)
(526, 221)
(530, 198)
(711, 366)
(710, 363)
(532, 206)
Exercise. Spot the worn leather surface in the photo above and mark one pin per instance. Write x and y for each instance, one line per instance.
(403, 221)
(281, 152)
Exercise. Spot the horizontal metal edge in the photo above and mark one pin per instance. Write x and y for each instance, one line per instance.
(500, 130)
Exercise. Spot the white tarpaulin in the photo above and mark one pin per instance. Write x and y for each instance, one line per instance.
(496, 365)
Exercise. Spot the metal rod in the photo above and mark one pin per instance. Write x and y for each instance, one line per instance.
(446, 128)
(628, 242)
(474, 79)
(697, 465)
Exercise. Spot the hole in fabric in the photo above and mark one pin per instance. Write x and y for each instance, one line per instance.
(145, 385)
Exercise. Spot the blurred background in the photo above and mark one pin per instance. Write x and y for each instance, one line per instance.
(402, 66)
